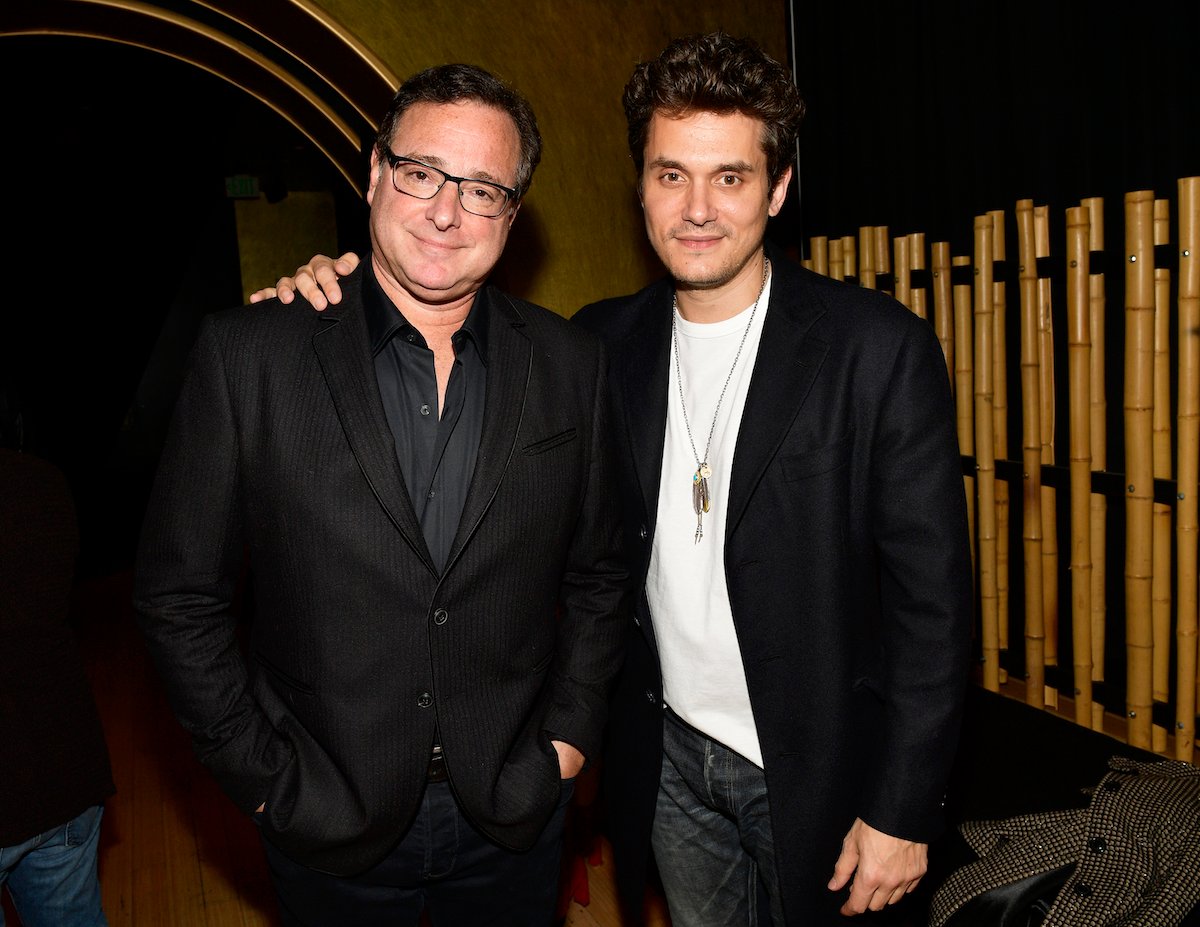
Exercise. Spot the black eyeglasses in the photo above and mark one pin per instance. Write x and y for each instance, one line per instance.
(478, 197)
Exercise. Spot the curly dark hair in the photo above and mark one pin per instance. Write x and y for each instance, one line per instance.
(455, 83)
(716, 73)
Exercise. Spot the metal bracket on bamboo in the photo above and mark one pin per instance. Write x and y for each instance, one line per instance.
(1104, 482)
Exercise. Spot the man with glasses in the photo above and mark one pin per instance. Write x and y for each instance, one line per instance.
(420, 481)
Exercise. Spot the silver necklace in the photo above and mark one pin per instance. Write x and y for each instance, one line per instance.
(701, 500)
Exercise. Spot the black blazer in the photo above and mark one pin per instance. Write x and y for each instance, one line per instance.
(848, 566)
(358, 648)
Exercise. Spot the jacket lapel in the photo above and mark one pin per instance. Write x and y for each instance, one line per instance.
(342, 350)
(644, 363)
(510, 361)
(789, 357)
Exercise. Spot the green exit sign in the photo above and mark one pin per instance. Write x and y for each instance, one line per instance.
(241, 187)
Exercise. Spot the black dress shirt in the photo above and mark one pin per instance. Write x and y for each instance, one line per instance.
(436, 452)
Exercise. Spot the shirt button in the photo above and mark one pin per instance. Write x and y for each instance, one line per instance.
(425, 408)
(432, 493)
(441, 616)
(649, 696)
(424, 700)
(643, 534)
(1097, 844)
(411, 338)
(1082, 889)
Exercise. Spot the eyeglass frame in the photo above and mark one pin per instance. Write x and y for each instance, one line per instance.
(394, 160)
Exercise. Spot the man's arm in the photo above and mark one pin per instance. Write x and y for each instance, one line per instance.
(316, 281)
(595, 597)
(918, 518)
(189, 560)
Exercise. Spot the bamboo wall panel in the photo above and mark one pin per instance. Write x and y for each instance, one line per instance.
(903, 288)
(1079, 373)
(1000, 421)
(985, 459)
(964, 385)
(943, 304)
(1041, 232)
(883, 259)
(1139, 469)
(1188, 428)
(918, 279)
(820, 255)
(1099, 435)
(866, 257)
(1160, 585)
(1160, 598)
(1031, 458)
(837, 265)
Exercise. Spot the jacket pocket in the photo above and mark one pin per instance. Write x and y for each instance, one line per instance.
(540, 447)
(815, 462)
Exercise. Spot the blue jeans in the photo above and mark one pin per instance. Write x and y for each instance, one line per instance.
(712, 834)
(443, 866)
(52, 877)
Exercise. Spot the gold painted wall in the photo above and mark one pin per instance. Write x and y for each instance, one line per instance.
(579, 236)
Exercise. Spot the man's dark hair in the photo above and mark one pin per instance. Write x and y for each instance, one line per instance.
(716, 73)
(458, 83)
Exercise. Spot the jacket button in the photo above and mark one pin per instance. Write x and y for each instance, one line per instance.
(440, 616)
(650, 697)
(643, 533)
(424, 700)
(1082, 889)
(1097, 844)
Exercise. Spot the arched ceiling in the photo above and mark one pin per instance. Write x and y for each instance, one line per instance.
(289, 54)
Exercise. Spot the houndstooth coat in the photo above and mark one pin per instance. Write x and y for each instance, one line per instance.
(1135, 848)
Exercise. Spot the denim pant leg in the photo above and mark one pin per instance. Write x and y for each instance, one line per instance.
(712, 834)
(53, 878)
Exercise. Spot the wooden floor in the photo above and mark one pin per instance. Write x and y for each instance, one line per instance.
(173, 849)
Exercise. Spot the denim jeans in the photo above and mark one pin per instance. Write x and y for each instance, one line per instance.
(712, 834)
(52, 877)
(442, 865)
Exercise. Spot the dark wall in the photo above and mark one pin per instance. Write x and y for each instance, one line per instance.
(119, 236)
(923, 115)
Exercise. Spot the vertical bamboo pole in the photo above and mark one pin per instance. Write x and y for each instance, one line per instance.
(837, 266)
(1099, 435)
(943, 304)
(849, 257)
(964, 386)
(819, 249)
(903, 290)
(1041, 231)
(866, 257)
(1000, 405)
(1031, 459)
(1160, 584)
(1139, 470)
(916, 264)
(985, 460)
(1186, 528)
(1079, 373)
(883, 259)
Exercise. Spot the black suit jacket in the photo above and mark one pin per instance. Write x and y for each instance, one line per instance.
(848, 568)
(359, 648)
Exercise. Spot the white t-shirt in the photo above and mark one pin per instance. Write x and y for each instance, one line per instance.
(703, 678)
